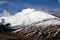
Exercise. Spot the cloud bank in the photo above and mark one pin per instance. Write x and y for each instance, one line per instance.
(2, 2)
(4, 14)
(59, 1)
(27, 17)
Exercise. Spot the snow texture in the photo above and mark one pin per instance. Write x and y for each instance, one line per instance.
(27, 17)
(30, 22)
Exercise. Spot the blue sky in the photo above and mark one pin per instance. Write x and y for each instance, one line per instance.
(14, 6)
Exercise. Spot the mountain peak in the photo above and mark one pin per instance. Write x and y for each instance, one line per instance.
(23, 18)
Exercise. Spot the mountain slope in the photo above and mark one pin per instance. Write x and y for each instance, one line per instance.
(27, 17)
(33, 23)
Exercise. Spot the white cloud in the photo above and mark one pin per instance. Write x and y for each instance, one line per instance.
(56, 11)
(4, 14)
(2, 2)
(24, 12)
(27, 17)
(59, 1)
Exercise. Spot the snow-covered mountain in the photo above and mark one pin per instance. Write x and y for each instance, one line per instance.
(27, 17)
(30, 22)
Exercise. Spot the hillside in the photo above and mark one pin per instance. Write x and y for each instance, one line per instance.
(31, 32)
(30, 25)
(52, 32)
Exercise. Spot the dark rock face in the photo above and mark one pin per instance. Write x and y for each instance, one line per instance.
(6, 27)
(47, 32)
(31, 32)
